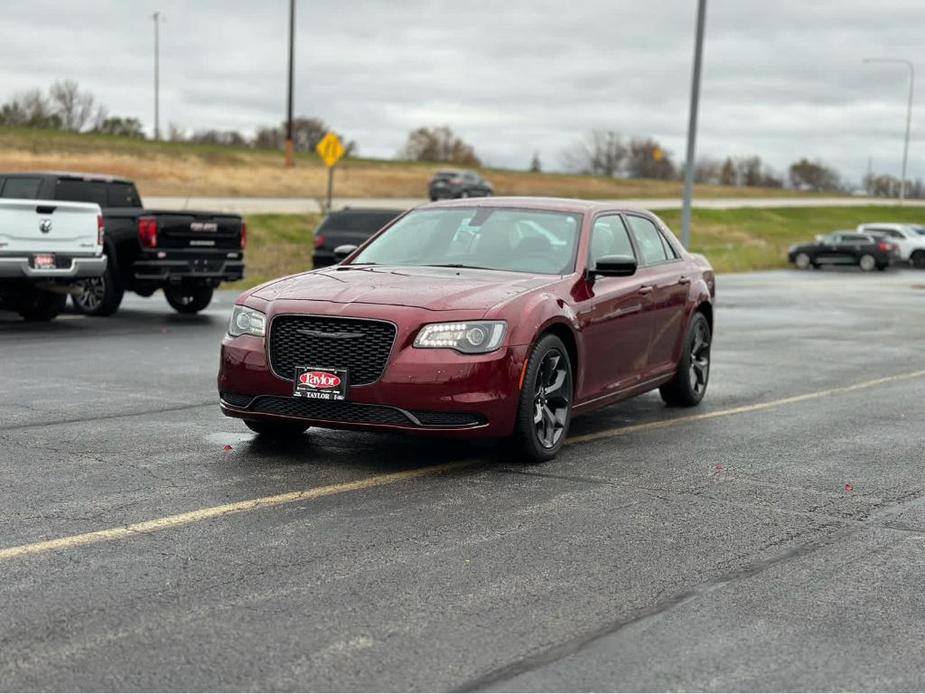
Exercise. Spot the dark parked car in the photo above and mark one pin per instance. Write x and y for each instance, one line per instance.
(185, 253)
(459, 184)
(350, 226)
(496, 318)
(868, 251)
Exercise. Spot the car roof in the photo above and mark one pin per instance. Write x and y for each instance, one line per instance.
(537, 203)
(364, 210)
(884, 225)
(80, 175)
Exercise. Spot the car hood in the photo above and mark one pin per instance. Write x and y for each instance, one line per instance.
(435, 289)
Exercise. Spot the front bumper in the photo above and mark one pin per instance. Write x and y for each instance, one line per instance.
(172, 267)
(73, 267)
(421, 391)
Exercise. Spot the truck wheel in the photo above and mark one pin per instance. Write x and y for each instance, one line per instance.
(918, 260)
(188, 300)
(98, 296)
(867, 263)
(42, 306)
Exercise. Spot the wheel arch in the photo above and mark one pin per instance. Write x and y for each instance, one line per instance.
(564, 332)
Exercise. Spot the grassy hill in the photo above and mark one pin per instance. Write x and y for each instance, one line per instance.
(170, 168)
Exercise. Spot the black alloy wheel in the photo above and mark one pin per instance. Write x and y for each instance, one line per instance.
(689, 384)
(545, 407)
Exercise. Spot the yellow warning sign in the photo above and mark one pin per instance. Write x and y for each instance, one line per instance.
(330, 149)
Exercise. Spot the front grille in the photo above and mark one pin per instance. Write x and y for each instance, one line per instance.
(329, 410)
(361, 346)
(447, 419)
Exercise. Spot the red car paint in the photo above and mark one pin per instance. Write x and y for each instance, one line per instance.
(625, 333)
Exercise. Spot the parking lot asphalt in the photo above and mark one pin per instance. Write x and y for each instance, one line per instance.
(772, 539)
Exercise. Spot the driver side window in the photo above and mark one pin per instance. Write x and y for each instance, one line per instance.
(609, 236)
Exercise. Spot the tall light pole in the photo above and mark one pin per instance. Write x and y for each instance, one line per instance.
(289, 145)
(157, 17)
(689, 165)
(908, 64)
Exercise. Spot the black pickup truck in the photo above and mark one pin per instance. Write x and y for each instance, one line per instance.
(185, 253)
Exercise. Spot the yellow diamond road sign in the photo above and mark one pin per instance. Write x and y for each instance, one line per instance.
(330, 149)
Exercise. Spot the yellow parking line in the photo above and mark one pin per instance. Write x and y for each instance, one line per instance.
(661, 424)
(157, 524)
(180, 519)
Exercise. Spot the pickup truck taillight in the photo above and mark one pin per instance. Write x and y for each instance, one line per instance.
(319, 240)
(147, 232)
(885, 247)
(243, 235)
(100, 228)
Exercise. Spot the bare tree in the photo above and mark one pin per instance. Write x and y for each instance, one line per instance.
(30, 109)
(647, 159)
(599, 153)
(438, 145)
(74, 107)
(813, 175)
(536, 165)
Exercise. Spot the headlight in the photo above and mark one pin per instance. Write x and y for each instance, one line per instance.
(247, 321)
(471, 337)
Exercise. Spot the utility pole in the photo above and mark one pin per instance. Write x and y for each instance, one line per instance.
(690, 164)
(290, 161)
(908, 64)
(157, 74)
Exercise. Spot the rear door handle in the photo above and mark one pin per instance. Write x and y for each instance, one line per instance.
(645, 289)
(684, 279)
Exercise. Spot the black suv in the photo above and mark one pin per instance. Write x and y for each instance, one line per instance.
(348, 227)
(869, 251)
(459, 184)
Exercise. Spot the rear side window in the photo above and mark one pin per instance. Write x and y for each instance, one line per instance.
(81, 191)
(26, 188)
(649, 241)
(122, 195)
(892, 233)
(854, 238)
(358, 221)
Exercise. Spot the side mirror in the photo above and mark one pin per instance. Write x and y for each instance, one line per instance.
(615, 266)
(342, 252)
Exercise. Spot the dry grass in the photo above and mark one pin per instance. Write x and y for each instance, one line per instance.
(163, 168)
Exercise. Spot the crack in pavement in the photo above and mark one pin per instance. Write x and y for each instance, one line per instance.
(118, 415)
(492, 678)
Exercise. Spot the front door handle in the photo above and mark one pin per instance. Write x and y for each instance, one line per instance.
(645, 289)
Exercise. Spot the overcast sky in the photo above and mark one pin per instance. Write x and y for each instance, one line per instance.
(781, 79)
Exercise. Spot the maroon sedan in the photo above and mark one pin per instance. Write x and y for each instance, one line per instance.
(498, 318)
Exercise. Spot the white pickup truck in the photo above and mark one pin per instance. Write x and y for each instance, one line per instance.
(45, 245)
(908, 237)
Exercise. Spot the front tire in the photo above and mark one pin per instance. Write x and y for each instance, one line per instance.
(689, 384)
(188, 300)
(867, 263)
(275, 430)
(803, 261)
(545, 408)
(42, 306)
(918, 260)
(98, 296)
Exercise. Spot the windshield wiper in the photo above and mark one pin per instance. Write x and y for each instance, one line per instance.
(460, 265)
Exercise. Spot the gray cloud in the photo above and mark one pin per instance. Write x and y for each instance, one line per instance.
(781, 79)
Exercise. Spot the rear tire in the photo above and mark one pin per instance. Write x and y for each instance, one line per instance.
(545, 408)
(867, 263)
(188, 300)
(42, 306)
(803, 261)
(689, 384)
(98, 296)
(275, 430)
(918, 260)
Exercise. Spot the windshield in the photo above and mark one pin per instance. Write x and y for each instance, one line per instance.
(486, 238)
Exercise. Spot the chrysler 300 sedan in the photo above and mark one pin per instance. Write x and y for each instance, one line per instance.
(501, 318)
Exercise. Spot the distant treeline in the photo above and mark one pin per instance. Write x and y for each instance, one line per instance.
(64, 106)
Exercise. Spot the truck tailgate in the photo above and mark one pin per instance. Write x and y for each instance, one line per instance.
(196, 230)
(49, 226)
